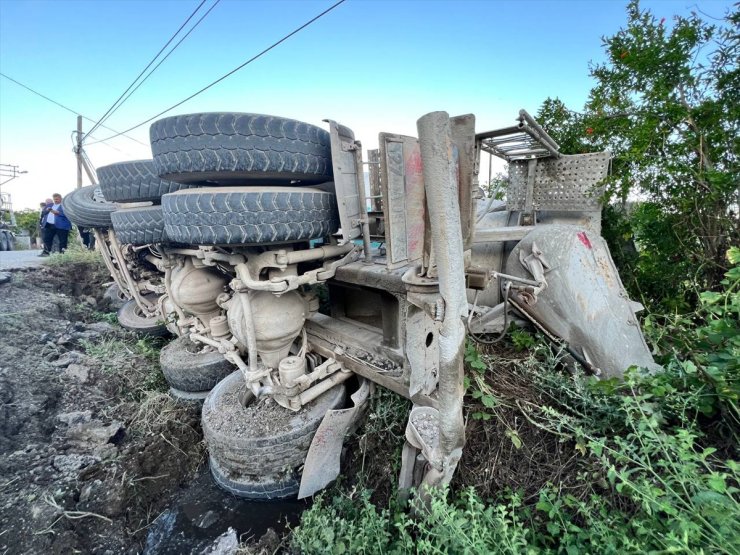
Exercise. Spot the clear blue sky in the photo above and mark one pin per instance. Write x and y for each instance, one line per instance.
(373, 65)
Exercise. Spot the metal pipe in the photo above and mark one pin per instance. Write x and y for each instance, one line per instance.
(318, 253)
(545, 145)
(499, 275)
(360, 180)
(102, 246)
(154, 261)
(145, 305)
(196, 337)
(528, 121)
(441, 186)
(321, 387)
(498, 132)
(243, 273)
(366, 246)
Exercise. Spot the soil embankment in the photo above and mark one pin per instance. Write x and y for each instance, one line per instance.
(91, 449)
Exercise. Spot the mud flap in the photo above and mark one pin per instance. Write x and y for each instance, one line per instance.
(422, 441)
(322, 462)
(584, 303)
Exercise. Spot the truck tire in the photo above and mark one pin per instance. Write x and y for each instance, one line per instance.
(83, 210)
(139, 226)
(134, 181)
(223, 148)
(131, 318)
(249, 215)
(261, 487)
(189, 398)
(186, 369)
(254, 461)
(114, 298)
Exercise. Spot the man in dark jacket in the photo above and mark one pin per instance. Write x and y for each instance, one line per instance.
(57, 225)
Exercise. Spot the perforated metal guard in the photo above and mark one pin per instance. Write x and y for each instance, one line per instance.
(569, 183)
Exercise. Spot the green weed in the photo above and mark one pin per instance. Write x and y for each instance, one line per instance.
(652, 457)
(134, 360)
(76, 254)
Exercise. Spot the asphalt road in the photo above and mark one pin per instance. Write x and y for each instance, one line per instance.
(13, 260)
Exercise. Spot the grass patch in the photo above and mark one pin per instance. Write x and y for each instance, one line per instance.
(133, 360)
(110, 317)
(76, 255)
(559, 462)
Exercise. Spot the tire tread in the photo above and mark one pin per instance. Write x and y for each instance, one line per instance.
(203, 217)
(139, 226)
(226, 146)
(134, 181)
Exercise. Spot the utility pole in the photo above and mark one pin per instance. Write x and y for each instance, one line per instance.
(81, 160)
(8, 172)
(78, 152)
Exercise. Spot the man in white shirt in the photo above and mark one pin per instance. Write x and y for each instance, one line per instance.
(56, 225)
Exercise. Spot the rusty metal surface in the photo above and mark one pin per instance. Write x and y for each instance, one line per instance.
(347, 177)
(569, 183)
(373, 169)
(462, 132)
(402, 186)
(584, 302)
(441, 185)
(422, 351)
(322, 464)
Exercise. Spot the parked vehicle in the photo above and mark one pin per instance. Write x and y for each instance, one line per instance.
(293, 291)
(7, 223)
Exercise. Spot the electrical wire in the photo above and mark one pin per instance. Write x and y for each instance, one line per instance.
(499, 337)
(74, 145)
(75, 112)
(163, 59)
(116, 104)
(89, 162)
(230, 73)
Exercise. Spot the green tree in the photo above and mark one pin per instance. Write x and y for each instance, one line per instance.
(667, 105)
(28, 220)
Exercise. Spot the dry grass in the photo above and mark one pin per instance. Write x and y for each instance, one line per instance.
(155, 410)
(510, 451)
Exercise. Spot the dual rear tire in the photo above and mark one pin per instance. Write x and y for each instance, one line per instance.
(190, 371)
(256, 451)
(255, 163)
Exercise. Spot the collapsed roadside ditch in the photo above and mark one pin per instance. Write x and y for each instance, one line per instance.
(95, 456)
(89, 449)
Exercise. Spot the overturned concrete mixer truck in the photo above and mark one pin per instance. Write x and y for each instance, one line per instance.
(294, 287)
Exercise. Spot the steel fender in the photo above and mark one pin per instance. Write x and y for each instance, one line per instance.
(322, 464)
(584, 302)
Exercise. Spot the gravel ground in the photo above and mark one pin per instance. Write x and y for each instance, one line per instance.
(15, 260)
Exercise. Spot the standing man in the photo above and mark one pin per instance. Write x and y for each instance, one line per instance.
(88, 239)
(44, 207)
(57, 225)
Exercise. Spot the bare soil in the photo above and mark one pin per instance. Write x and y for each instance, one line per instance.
(258, 418)
(83, 469)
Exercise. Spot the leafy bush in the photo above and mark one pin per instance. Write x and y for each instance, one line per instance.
(665, 105)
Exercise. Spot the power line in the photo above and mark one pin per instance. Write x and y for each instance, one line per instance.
(75, 112)
(74, 145)
(265, 51)
(162, 60)
(116, 104)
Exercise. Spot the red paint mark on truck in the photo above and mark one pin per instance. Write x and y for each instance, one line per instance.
(583, 238)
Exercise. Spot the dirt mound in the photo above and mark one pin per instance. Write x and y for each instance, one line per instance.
(90, 452)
